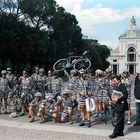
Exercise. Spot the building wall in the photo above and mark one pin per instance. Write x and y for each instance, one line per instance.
(130, 39)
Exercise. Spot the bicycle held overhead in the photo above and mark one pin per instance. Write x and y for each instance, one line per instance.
(78, 63)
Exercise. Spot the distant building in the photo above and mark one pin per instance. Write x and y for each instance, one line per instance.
(127, 55)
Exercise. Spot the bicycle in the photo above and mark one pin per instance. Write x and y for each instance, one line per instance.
(78, 63)
(113, 113)
(109, 109)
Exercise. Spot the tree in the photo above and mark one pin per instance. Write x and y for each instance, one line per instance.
(98, 53)
(39, 32)
(38, 13)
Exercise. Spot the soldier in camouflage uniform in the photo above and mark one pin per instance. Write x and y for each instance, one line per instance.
(106, 91)
(98, 91)
(5, 88)
(34, 79)
(41, 82)
(34, 106)
(91, 81)
(127, 81)
(72, 85)
(12, 78)
(108, 84)
(57, 85)
(67, 106)
(49, 79)
(90, 105)
(72, 78)
(14, 93)
(25, 87)
(49, 108)
(82, 91)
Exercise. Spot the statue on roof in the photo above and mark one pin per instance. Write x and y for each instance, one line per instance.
(132, 25)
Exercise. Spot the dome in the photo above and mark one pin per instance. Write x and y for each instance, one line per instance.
(122, 35)
(132, 32)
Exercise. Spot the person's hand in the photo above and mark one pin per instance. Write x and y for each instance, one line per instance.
(82, 94)
(17, 86)
(114, 98)
(29, 89)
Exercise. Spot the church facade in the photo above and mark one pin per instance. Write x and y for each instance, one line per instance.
(127, 54)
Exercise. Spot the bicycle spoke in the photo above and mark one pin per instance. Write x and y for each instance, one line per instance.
(82, 65)
(60, 65)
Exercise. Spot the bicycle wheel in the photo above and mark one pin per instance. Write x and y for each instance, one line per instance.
(60, 65)
(83, 64)
(114, 118)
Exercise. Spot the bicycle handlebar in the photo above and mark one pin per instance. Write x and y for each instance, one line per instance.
(85, 52)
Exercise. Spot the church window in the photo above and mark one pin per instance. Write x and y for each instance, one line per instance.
(114, 60)
(131, 54)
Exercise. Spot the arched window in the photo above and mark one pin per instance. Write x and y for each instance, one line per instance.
(131, 54)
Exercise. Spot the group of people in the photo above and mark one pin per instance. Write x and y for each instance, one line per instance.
(48, 97)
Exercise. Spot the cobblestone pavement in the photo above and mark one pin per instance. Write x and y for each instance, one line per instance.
(22, 134)
(20, 129)
(96, 122)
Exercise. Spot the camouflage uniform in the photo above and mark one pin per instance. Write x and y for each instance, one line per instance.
(108, 86)
(5, 88)
(91, 81)
(57, 86)
(40, 84)
(49, 106)
(98, 88)
(90, 93)
(66, 105)
(127, 81)
(14, 94)
(83, 86)
(25, 85)
(48, 84)
(12, 79)
(72, 85)
(34, 82)
(35, 104)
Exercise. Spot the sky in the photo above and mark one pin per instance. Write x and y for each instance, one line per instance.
(104, 20)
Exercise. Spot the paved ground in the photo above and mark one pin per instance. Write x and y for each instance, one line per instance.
(20, 129)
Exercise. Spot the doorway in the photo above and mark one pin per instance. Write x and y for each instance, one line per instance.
(131, 69)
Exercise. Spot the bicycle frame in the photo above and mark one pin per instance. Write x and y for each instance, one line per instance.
(77, 62)
(72, 59)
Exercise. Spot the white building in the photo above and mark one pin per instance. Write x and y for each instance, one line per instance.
(127, 55)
